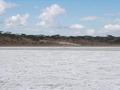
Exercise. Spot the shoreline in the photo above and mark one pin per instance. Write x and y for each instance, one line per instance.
(63, 48)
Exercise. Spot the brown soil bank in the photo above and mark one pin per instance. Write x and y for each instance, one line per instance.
(8, 39)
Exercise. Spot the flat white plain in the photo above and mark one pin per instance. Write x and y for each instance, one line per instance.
(60, 69)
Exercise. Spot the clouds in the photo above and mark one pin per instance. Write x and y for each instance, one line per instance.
(112, 26)
(18, 20)
(50, 19)
(47, 17)
(4, 5)
(111, 29)
(79, 29)
(90, 18)
(76, 27)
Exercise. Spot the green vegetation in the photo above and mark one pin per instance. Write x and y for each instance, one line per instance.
(9, 39)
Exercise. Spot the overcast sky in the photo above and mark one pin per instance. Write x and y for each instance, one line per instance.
(64, 17)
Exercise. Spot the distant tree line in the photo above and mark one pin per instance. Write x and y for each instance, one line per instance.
(104, 39)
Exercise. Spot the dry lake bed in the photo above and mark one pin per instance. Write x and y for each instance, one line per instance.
(86, 68)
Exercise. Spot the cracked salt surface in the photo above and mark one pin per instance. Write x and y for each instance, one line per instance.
(59, 69)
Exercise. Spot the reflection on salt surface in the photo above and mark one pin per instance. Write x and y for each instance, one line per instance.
(55, 69)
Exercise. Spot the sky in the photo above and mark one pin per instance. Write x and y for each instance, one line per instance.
(64, 17)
